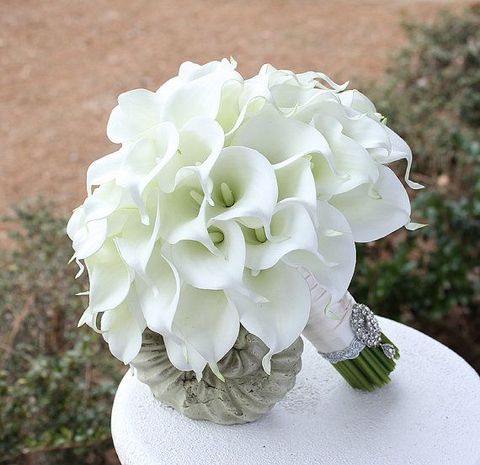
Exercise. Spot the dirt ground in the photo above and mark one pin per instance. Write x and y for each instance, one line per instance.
(63, 63)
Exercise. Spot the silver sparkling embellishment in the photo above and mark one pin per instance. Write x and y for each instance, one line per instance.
(388, 350)
(349, 353)
(367, 332)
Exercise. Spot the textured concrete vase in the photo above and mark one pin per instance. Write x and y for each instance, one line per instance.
(247, 393)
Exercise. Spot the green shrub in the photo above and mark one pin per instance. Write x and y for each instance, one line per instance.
(432, 97)
(430, 278)
(56, 382)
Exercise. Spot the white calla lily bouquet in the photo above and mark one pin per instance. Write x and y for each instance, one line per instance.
(225, 195)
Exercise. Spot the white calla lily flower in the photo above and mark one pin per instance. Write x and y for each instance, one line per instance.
(280, 139)
(208, 321)
(184, 357)
(222, 193)
(206, 270)
(196, 91)
(87, 237)
(158, 292)
(103, 202)
(352, 162)
(244, 188)
(273, 321)
(136, 241)
(183, 214)
(201, 91)
(359, 102)
(362, 128)
(285, 90)
(109, 277)
(138, 111)
(200, 143)
(333, 262)
(104, 169)
(144, 161)
(88, 225)
(291, 229)
(397, 148)
(296, 183)
(375, 210)
(122, 328)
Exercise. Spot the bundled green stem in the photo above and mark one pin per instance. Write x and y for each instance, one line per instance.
(371, 369)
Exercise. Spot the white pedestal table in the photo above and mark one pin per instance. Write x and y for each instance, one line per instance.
(428, 415)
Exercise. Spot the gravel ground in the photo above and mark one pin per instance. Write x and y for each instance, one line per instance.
(64, 62)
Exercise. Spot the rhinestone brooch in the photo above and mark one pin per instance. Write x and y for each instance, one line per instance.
(367, 332)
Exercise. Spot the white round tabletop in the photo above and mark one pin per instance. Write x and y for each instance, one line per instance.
(428, 415)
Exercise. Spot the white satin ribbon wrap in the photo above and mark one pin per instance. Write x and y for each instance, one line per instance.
(328, 327)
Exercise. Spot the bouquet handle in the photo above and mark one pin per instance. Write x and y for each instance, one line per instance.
(348, 335)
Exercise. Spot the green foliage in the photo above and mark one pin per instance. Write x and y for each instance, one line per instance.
(56, 382)
(430, 277)
(433, 96)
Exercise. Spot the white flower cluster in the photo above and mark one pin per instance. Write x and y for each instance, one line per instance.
(222, 191)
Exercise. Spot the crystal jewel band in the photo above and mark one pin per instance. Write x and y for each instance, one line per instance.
(367, 332)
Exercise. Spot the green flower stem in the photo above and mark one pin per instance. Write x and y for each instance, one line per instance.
(350, 375)
(388, 364)
(341, 370)
(362, 380)
(370, 370)
(379, 369)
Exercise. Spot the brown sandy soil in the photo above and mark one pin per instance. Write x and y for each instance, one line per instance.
(63, 63)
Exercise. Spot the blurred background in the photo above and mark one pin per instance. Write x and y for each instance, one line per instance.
(63, 63)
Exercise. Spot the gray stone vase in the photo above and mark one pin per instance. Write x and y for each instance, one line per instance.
(247, 393)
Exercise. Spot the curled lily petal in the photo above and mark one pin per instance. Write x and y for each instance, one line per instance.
(201, 94)
(201, 268)
(362, 128)
(359, 102)
(87, 237)
(144, 160)
(103, 202)
(352, 161)
(334, 262)
(184, 357)
(397, 148)
(279, 138)
(375, 210)
(291, 228)
(136, 241)
(251, 179)
(137, 112)
(190, 220)
(109, 278)
(296, 182)
(229, 112)
(279, 321)
(400, 149)
(201, 141)
(207, 320)
(122, 328)
(318, 77)
(104, 169)
(158, 293)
